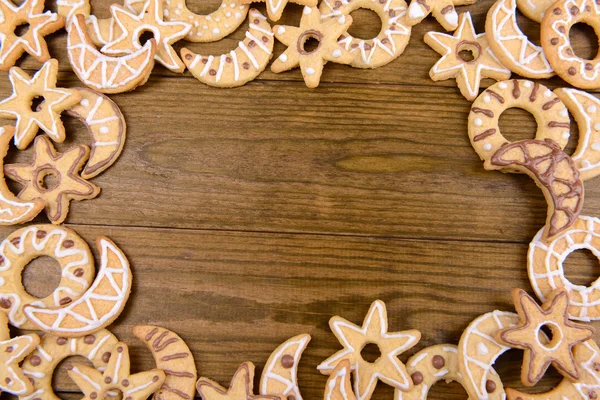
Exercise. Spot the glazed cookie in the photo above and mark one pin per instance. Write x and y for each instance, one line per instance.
(173, 356)
(534, 9)
(442, 10)
(42, 86)
(585, 108)
(556, 25)
(550, 114)
(96, 385)
(511, 46)
(545, 262)
(338, 385)
(12, 353)
(40, 23)
(311, 62)
(103, 73)
(24, 245)
(40, 365)
(149, 19)
(468, 74)
(241, 387)
(275, 7)
(387, 368)
(538, 356)
(98, 307)
(553, 171)
(239, 66)
(64, 168)
(393, 36)
(280, 376)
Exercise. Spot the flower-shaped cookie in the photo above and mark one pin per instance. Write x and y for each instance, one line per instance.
(387, 368)
(240, 388)
(12, 352)
(65, 167)
(30, 13)
(47, 116)
(150, 19)
(468, 73)
(311, 61)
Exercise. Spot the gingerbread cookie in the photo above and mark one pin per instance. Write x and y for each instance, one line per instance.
(553, 171)
(96, 385)
(275, 7)
(19, 105)
(101, 31)
(149, 19)
(30, 12)
(64, 168)
(468, 74)
(545, 266)
(98, 307)
(387, 368)
(173, 356)
(40, 365)
(24, 245)
(311, 62)
(103, 73)
(556, 26)
(534, 9)
(338, 385)
(511, 45)
(239, 66)
(280, 376)
(442, 10)
(12, 353)
(538, 356)
(550, 114)
(241, 387)
(389, 43)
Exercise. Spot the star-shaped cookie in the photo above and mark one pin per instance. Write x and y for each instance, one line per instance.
(311, 61)
(240, 388)
(47, 116)
(442, 10)
(387, 368)
(12, 352)
(275, 7)
(150, 19)
(65, 167)
(95, 384)
(468, 73)
(40, 24)
(538, 356)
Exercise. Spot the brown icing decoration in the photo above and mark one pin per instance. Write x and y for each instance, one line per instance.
(417, 378)
(490, 386)
(438, 362)
(311, 33)
(287, 361)
(61, 341)
(89, 339)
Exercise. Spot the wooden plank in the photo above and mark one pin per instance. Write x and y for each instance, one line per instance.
(236, 296)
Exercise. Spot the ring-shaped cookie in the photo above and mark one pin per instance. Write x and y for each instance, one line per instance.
(389, 43)
(24, 245)
(545, 267)
(557, 23)
(512, 47)
(40, 364)
(534, 9)
(549, 111)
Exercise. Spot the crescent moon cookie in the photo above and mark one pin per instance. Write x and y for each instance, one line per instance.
(12, 352)
(556, 25)
(442, 10)
(553, 171)
(103, 73)
(42, 86)
(311, 62)
(239, 66)
(30, 12)
(545, 266)
(511, 45)
(389, 43)
(149, 19)
(280, 376)
(64, 167)
(550, 114)
(101, 31)
(96, 385)
(537, 357)
(387, 368)
(39, 366)
(338, 385)
(24, 245)
(98, 307)
(275, 7)
(240, 388)
(173, 356)
(468, 74)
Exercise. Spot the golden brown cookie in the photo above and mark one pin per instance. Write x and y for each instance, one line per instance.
(240, 388)
(280, 375)
(442, 10)
(12, 352)
(338, 385)
(275, 7)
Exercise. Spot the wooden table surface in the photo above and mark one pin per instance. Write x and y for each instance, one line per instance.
(253, 214)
